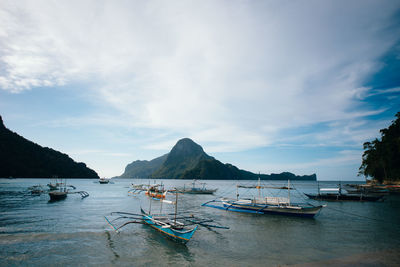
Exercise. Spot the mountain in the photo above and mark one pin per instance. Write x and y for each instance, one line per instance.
(22, 158)
(187, 160)
(214, 169)
(185, 155)
(143, 168)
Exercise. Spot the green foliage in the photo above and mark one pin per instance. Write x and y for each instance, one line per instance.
(22, 158)
(381, 158)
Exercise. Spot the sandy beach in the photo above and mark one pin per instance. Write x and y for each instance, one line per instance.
(387, 258)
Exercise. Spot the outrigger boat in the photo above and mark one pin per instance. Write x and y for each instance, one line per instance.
(195, 190)
(37, 190)
(104, 180)
(54, 183)
(266, 205)
(63, 192)
(156, 190)
(177, 227)
(336, 194)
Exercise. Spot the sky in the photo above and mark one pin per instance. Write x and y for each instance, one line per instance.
(268, 86)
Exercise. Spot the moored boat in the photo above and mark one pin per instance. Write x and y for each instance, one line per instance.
(175, 226)
(336, 194)
(156, 191)
(339, 197)
(271, 205)
(193, 189)
(171, 228)
(267, 204)
(104, 180)
(62, 191)
(58, 195)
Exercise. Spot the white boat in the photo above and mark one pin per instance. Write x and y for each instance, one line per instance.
(268, 204)
(193, 189)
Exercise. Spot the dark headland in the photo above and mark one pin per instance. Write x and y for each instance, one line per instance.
(187, 160)
(21, 158)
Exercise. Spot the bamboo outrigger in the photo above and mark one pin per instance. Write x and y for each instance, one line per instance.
(175, 226)
(63, 191)
(336, 194)
(266, 205)
(193, 189)
(155, 190)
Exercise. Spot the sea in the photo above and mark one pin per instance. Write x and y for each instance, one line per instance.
(74, 231)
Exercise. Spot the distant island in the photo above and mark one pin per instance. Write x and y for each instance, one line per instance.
(21, 158)
(187, 160)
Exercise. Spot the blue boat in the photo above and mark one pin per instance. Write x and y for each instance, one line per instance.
(168, 226)
(178, 227)
(267, 205)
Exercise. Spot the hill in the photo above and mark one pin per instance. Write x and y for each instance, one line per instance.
(187, 160)
(22, 158)
(143, 168)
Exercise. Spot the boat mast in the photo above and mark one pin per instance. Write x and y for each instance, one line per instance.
(288, 186)
(176, 205)
(150, 202)
(259, 186)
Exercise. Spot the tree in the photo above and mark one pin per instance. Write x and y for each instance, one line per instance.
(381, 158)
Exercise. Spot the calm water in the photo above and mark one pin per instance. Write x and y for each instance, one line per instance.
(36, 232)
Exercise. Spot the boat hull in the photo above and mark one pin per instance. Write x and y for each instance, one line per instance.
(205, 192)
(155, 194)
(55, 195)
(309, 212)
(182, 236)
(344, 197)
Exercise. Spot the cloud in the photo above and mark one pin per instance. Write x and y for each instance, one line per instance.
(231, 74)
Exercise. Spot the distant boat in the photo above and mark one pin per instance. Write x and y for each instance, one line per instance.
(36, 190)
(104, 180)
(58, 195)
(267, 205)
(61, 193)
(193, 189)
(336, 194)
(54, 183)
(156, 191)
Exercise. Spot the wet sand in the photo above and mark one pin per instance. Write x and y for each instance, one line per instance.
(387, 258)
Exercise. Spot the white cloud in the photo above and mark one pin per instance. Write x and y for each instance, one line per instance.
(230, 72)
